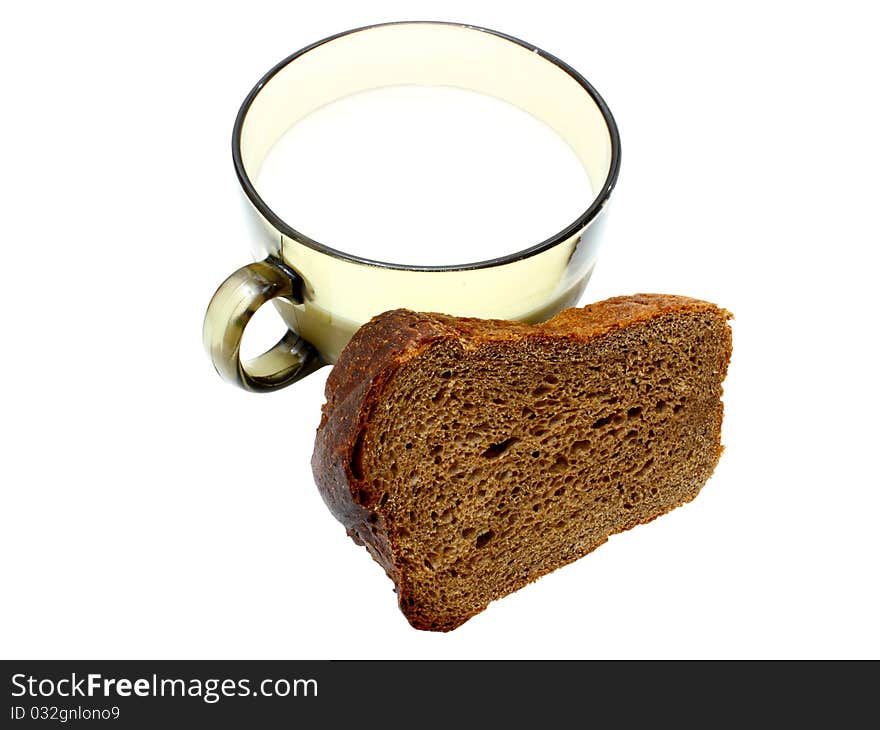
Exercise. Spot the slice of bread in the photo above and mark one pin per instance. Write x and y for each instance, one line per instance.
(471, 456)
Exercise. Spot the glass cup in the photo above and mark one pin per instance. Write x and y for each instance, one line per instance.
(324, 294)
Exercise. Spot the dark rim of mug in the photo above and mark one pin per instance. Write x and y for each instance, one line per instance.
(578, 224)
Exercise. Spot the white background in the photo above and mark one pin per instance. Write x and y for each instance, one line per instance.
(150, 510)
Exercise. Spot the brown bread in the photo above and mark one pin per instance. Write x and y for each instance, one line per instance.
(471, 456)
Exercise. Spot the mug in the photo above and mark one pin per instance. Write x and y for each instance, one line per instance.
(323, 294)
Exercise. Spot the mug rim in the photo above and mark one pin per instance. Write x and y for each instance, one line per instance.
(581, 222)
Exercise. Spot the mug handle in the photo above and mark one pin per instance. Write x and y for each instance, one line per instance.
(232, 307)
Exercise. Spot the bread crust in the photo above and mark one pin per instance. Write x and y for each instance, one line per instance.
(388, 342)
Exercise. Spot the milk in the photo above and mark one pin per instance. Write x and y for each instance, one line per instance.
(424, 176)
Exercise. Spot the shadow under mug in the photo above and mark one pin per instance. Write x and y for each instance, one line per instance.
(325, 295)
